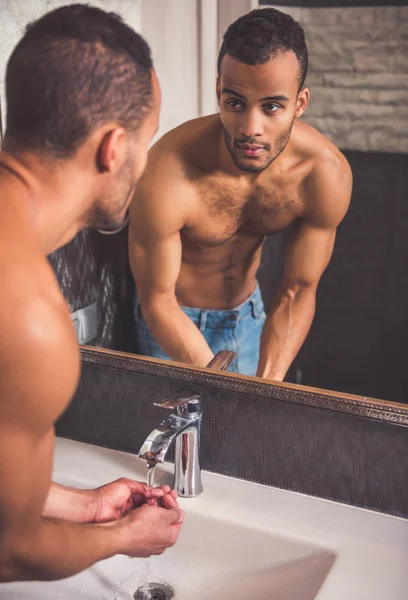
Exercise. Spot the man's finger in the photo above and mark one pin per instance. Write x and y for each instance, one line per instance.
(154, 493)
(136, 487)
(169, 502)
(138, 500)
(174, 516)
(151, 501)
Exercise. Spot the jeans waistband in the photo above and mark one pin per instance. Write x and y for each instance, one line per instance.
(252, 306)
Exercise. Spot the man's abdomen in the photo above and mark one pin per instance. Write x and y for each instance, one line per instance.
(219, 278)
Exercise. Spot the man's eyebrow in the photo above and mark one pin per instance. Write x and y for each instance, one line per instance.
(226, 90)
(277, 98)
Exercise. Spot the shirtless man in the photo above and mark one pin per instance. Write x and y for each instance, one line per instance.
(215, 187)
(72, 154)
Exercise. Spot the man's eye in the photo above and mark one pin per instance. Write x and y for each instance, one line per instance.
(233, 103)
(270, 107)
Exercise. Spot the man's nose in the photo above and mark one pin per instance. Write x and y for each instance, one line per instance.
(251, 125)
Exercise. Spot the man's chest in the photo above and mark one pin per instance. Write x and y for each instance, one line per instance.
(225, 211)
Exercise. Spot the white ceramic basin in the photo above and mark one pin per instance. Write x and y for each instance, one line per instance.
(213, 559)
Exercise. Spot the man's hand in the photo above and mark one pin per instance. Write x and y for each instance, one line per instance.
(114, 500)
(148, 530)
(107, 503)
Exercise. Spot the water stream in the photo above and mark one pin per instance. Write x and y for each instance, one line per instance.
(141, 578)
(150, 475)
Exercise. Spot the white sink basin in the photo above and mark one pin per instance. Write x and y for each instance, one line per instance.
(213, 559)
(240, 541)
(217, 556)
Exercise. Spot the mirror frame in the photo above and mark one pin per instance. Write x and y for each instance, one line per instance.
(361, 406)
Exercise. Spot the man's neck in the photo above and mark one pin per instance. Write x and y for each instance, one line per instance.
(55, 197)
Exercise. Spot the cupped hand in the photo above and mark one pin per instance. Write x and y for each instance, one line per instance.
(116, 499)
(149, 530)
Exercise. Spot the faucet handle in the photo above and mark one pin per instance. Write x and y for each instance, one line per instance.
(222, 360)
(182, 399)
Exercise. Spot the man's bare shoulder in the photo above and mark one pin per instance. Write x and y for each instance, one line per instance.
(187, 146)
(166, 196)
(39, 360)
(313, 145)
(328, 182)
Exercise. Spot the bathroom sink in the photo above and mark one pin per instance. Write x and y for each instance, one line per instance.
(240, 541)
(214, 559)
(222, 553)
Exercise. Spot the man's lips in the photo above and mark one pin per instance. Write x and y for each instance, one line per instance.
(251, 150)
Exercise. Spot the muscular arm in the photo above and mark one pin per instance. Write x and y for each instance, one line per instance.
(158, 214)
(39, 367)
(30, 390)
(328, 193)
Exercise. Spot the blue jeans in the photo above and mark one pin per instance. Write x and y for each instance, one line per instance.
(238, 329)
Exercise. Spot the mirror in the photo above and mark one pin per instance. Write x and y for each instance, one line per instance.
(358, 84)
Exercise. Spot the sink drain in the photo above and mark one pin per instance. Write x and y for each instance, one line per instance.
(154, 591)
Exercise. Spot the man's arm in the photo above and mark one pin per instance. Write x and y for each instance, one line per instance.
(158, 213)
(328, 194)
(39, 366)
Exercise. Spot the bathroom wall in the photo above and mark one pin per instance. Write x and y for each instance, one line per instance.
(171, 28)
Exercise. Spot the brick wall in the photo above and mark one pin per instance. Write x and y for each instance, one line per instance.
(358, 75)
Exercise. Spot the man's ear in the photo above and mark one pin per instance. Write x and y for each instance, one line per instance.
(302, 102)
(218, 88)
(111, 149)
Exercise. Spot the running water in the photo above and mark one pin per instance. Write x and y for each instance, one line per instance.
(135, 581)
(141, 579)
(150, 475)
(145, 579)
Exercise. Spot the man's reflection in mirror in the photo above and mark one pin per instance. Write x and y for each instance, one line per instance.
(215, 187)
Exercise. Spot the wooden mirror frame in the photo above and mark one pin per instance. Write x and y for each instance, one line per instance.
(380, 410)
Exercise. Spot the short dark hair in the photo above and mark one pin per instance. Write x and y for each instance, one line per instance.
(260, 35)
(76, 68)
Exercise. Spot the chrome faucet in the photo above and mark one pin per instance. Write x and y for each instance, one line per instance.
(182, 426)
